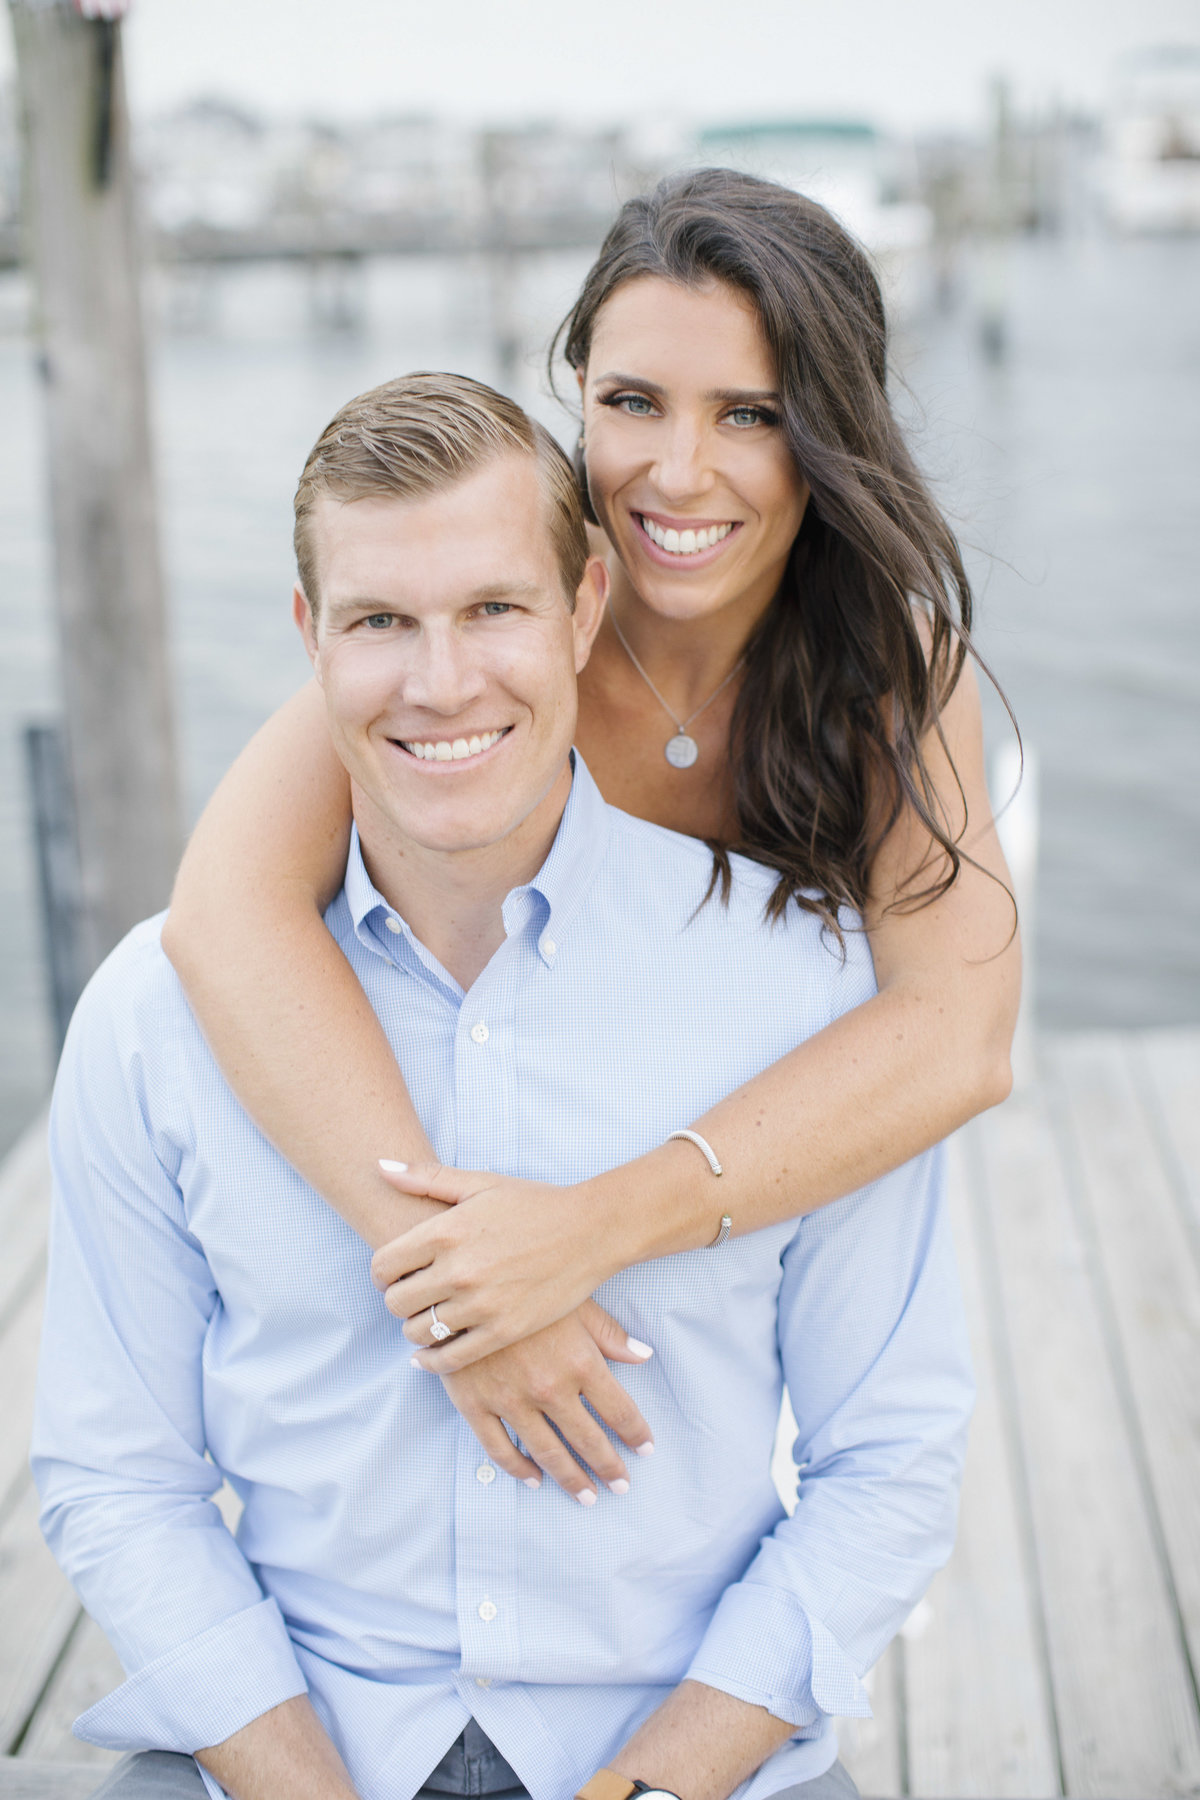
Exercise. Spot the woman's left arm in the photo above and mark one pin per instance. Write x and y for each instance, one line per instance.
(878, 1086)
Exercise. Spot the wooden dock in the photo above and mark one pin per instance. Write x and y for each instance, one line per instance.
(1059, 1652)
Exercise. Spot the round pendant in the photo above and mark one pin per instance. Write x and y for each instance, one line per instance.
(681, 751)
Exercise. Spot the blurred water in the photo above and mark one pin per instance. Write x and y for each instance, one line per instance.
(1069, 470)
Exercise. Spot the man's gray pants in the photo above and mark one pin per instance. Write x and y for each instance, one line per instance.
(160, 1775)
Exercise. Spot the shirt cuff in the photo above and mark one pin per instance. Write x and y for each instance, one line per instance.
(200, 1693)
(763, 1647)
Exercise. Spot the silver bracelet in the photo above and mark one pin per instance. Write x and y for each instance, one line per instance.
(710, 1157)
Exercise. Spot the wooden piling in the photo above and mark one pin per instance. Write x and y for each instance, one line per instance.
(81, 248)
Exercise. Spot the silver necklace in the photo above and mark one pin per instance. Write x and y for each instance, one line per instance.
(680, 750)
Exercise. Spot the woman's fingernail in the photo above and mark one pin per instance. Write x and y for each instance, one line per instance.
(586, 1497)
(620, 1486)
(638, 1348)
(392, 1168)
(646, 1449)
(533, 1481)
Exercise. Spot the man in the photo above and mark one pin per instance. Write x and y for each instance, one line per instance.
(392, 1613)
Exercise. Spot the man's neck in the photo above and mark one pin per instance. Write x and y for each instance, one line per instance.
(452, 900)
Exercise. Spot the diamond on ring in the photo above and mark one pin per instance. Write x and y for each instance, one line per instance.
(436, 1328)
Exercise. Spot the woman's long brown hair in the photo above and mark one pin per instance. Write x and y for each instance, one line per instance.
(863, 644)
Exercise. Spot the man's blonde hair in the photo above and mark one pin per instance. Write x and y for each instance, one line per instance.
(420, 434)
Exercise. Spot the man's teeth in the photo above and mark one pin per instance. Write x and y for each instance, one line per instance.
(447, 750)
(684, 543)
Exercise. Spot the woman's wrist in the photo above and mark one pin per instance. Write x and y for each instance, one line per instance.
(662, 1202)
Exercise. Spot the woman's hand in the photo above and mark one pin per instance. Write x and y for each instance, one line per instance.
(542, 1383)
(504, 1259)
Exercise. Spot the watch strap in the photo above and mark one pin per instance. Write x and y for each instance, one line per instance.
(606, 1784)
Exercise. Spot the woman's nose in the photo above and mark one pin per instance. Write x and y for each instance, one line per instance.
(683, 468)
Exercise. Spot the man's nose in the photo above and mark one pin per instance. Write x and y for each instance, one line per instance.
(444, 674)
(683, 469)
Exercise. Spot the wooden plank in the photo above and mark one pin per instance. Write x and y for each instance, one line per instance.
(1123, 1696)
(88, 1671)
(1152, 1280)
(24, 1211)
(18, 1371)
(870, 1748)
(38, 1609)
(1169, 1064)
(979, 1710)
(21, 1780)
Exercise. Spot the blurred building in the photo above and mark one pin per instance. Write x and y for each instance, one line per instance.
(1151, 170)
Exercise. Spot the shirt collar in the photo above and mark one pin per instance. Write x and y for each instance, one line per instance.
(556, 892)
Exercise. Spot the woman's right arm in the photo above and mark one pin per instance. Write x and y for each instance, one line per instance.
(277, 1001)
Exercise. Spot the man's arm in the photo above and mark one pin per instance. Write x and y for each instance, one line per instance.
(119, 1435)
(284, 1754)
(701, 1743)
(875, 1357)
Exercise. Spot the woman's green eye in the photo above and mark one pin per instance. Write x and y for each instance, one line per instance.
(744, 416)
(637, 404)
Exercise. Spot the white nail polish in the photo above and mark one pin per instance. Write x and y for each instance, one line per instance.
(415, 1363)
(620, 1486)
(586, 1498)
(646, 1449)
(392, 1168)
(532, 1481)
(638, 1348)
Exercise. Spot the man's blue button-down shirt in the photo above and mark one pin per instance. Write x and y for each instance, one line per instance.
(209, 1316)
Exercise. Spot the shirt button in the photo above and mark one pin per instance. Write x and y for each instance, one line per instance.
(392, 924)
(483, 1681)
(549, 947)
(485, 1473)
(479, 1032)
(488, 1610)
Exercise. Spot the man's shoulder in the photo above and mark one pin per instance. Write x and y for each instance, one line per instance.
(135, 995)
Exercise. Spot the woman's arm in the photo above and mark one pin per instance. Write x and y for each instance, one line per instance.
(878, 1086)
(278, 1002)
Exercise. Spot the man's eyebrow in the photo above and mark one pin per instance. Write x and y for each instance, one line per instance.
(503, 590)
(725, 396)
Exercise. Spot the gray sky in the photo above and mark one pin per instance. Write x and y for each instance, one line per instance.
(903, 62)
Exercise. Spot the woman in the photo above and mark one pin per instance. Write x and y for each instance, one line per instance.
(782, 672)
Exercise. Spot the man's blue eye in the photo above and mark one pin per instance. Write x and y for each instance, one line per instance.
(494, 608)
(380, 621)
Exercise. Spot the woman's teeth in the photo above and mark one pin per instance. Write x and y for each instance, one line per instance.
(455, 750)
(684, 543)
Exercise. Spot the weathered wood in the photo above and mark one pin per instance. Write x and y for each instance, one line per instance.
(979, 1710)
(39, 1611)
(1124, 1701)
(24, 1212)
(1150, 1278)
(870, 1748)
(109, 589)
(89, 1670)
(1168, 1064)
(22, 1780)
(18, 1361)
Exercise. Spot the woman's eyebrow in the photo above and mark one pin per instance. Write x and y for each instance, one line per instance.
(638, 381)
(743, 396)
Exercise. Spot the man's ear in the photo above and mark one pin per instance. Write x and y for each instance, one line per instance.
(306, 626)
(590, 600)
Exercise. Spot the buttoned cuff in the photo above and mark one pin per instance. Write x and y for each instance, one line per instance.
(763, 1647)
(200, 1693)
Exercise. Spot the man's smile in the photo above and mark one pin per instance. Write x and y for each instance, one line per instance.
(458, 749)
